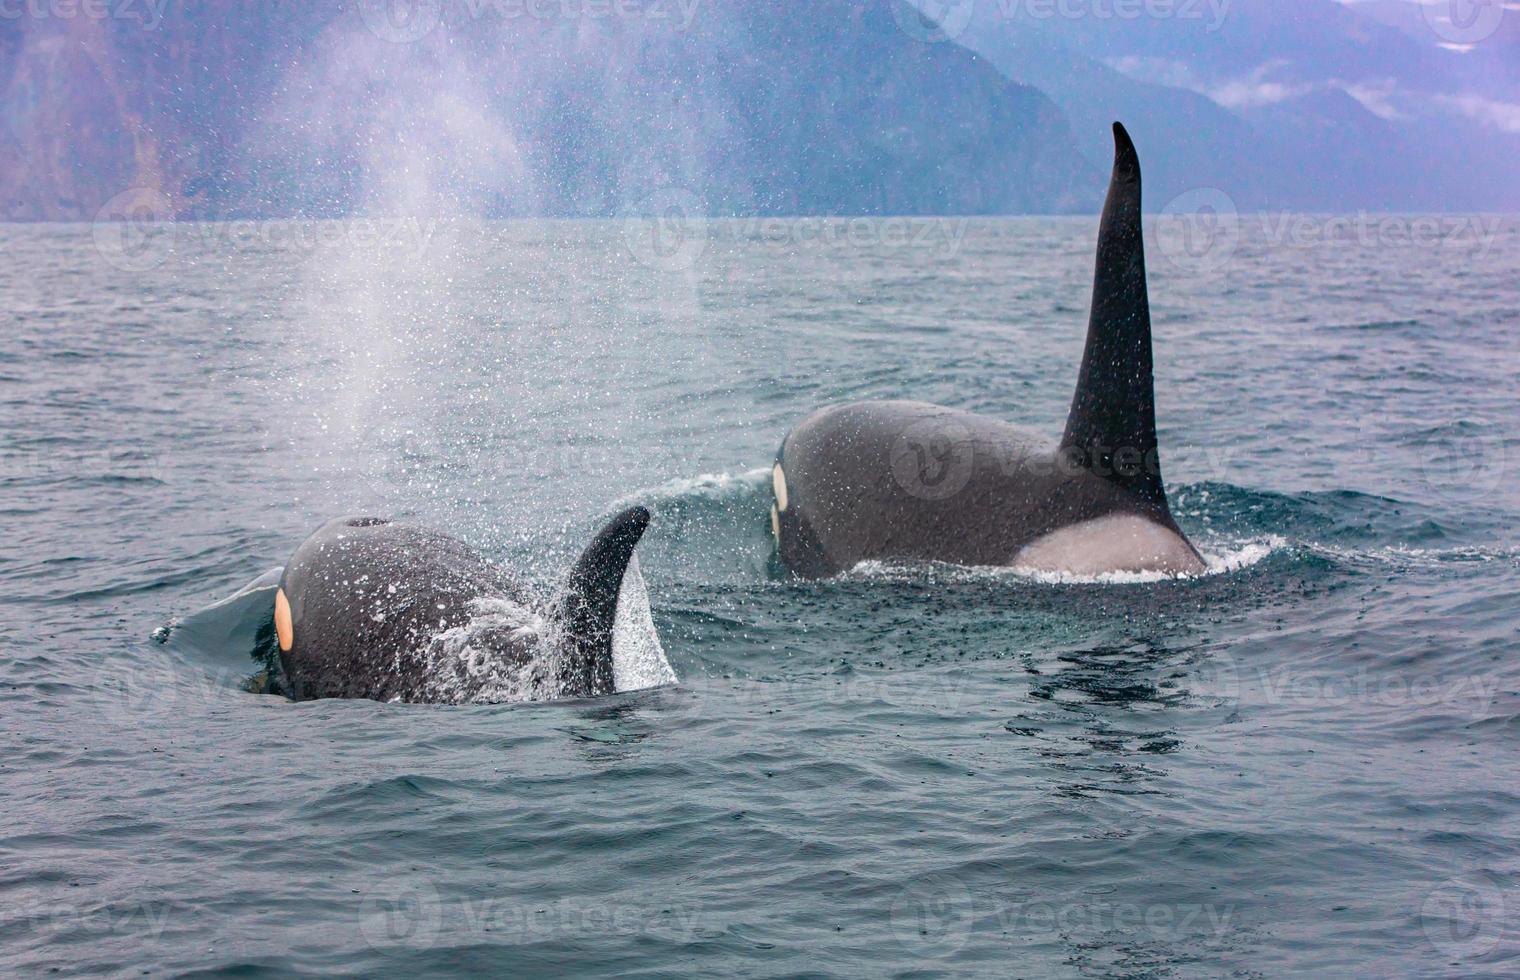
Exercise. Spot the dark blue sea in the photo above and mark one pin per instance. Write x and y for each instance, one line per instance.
(1304, 762)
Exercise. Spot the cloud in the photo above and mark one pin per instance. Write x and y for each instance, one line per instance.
(1251, 93)
(1157, 71)
(1503, 116)
(1264, 86)
(1248, 92)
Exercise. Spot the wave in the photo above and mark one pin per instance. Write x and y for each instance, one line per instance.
(464, 666)
(1219, 562)
(714, 527)
(705, 485)
(1410, 556)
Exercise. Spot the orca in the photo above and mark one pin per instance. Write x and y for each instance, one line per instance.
(382, 610)
(902, 480)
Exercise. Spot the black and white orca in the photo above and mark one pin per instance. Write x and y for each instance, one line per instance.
(390, 611)
(901, 480)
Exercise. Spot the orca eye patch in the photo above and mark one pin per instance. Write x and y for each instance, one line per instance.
(778, 481)
(283, 627)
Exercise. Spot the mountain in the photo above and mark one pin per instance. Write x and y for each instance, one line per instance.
(1188, 141)
(235, 109)
(1313, 105)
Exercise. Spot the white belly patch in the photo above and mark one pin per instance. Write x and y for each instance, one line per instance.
(1119, 543)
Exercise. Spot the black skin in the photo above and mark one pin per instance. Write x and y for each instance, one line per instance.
(366, 596)
(894, 480)
(849, 503)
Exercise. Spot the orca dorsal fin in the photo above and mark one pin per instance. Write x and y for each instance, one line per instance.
(1112, 425)
(590, 604)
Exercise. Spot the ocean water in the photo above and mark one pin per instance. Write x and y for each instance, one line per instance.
(1303, 762)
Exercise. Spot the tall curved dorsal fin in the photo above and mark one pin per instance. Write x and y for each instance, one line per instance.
(1112, 424)
(590, 605)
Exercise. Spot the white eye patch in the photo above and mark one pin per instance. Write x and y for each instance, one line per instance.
(778, 481)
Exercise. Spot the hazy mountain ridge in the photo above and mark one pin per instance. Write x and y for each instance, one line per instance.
(228, 108)
(231, 109)
(1313, 105)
